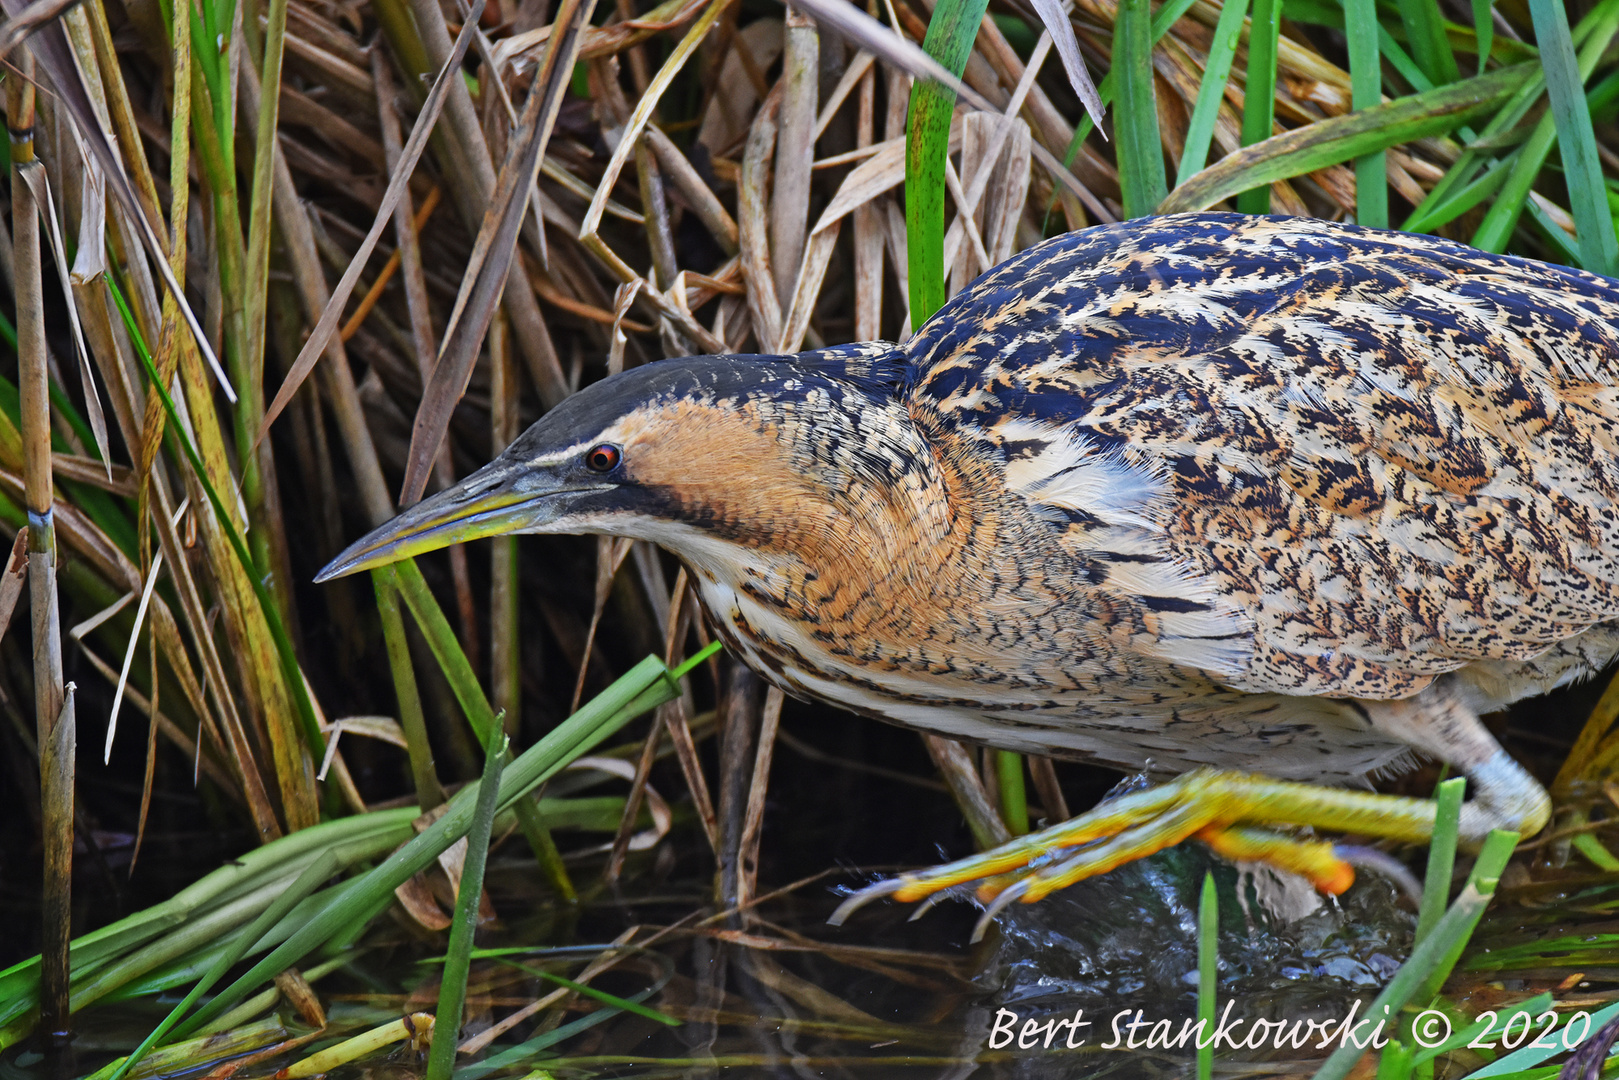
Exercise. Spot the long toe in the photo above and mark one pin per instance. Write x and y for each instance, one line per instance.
(1237, 815)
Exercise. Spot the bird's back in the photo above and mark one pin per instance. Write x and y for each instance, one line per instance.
(1302, 458)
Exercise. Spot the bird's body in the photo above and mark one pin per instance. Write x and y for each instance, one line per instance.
(1166, 493)
(901, 589)
(1200, 490)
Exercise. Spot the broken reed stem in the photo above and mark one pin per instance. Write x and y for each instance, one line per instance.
(54, 725)
(1044, 775)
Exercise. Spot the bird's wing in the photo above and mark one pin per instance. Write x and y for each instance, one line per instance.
(1304, 457)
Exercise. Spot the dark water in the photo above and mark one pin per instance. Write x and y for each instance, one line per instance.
(781, 993)
(784, 994)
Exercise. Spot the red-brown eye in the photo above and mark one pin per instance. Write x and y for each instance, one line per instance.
(603, 458)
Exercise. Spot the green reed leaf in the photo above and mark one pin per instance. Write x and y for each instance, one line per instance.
(949, 40)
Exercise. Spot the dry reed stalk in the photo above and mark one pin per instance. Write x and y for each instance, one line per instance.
(492, 271)
(610, 554)
(505, 644)
(204, 763)
(740, 708)
(955, 764)
(676, 618)
(868, 239)
(795, 149)
(55, 727)
(705, 204)
(817, 258)
(655, 207)
(1044, 775)
(754, 818)
(752, 225)
(475, 180)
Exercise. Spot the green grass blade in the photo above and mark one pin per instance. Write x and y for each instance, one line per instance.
(429, 793)
(643, 687)
(1489, 1029)
(1366, 89)
(452, 989)
(1402, 62)
(1590, 846)
(524, 1054)
(94, 954)
(1259, 94)
(1208, 971)
(1430, 958)
(1395, 1061)
(1582, 168)
(949, 40)
(1313, 11)
(1425, 30)
(695, 659)
(1603, 98)
(259, 232)
(1166, 16)
(1492, 859)
(598, 995)
(1564, 246)
(1441, 856)
(406, 578)
(1216, 73)
(1429, 217)
(1135, 120)
(185, 1057)
(1496, 229)
(1466, 166)
(1483, 30)
(1335, 140)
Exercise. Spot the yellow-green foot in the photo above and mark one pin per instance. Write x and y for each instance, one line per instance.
(1236, 814)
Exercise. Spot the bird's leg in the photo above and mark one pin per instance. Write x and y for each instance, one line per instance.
(1235, 812)
(1437, 721)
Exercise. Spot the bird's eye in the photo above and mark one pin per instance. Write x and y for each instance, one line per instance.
(603, 458)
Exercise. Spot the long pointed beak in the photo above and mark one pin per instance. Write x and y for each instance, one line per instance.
(487, 503)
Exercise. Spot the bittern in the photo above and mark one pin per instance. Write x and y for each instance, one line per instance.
(1267, 503)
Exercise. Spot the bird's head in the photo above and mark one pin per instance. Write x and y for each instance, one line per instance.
(685, 453)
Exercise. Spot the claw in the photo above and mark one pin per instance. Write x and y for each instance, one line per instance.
(865, 896)
(1012, 892)
(1385, 864)
(926, 906)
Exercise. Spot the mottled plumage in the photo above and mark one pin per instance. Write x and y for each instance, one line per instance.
(1192, 490)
